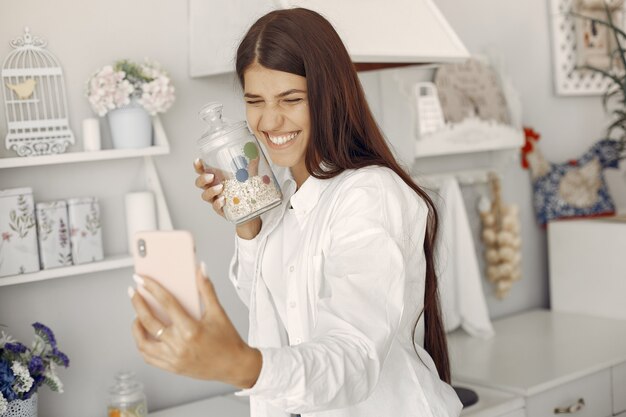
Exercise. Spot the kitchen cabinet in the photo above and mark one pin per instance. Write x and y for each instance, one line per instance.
(111, 261)
(551, 359)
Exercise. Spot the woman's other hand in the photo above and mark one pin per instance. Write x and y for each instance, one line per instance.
(211, 181)
(209, 348)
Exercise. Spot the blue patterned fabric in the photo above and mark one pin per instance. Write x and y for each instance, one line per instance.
(549, 204)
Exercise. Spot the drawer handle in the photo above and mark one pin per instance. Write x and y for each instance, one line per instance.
(574, 408)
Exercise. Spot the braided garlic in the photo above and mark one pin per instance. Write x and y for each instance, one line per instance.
(501, 237)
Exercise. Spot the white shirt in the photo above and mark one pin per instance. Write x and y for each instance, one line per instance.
(358, 285)
(279, 252)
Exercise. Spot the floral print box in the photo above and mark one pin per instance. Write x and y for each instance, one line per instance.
(54, 234)
(18, 243)
(85, 230)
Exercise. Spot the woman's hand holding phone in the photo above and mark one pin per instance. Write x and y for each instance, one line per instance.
(211, 180)
(209, 348)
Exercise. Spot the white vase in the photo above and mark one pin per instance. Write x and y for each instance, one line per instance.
(131, 127)
(22, 408)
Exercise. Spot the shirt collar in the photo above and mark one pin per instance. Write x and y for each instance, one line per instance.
(307, 196)
(304, 199)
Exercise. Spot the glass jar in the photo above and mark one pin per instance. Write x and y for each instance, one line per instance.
(230, 152)
(126, 397)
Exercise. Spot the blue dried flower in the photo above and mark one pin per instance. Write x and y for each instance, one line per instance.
(15, 347)
(61, 357)
(45, 333)
(35, 365)
(6, 381)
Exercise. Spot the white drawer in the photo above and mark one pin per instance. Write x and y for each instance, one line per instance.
(619, 388)
(594, 390)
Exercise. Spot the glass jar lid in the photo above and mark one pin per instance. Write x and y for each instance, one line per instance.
(126, 390)
(220, 131)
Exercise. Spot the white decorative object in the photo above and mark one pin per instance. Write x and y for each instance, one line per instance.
(22, 408)
(33, 88)
(53, 234)
(471, 135)
(429, 113)
(471, 89)
(568, 80)
(140, 214)
(131, 127)
(18, 233)
(85, 230)
(91, 135)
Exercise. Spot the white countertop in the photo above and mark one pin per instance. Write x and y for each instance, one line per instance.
(538, 350)
(221, 406)
(491, 403)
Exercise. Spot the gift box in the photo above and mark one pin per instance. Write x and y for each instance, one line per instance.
(85, 230)
(53, 234)
(18, 244)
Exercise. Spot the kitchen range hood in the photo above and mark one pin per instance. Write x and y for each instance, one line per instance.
(377, 33)
(381, 34)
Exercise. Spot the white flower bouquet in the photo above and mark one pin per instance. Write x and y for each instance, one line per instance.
(115, 86)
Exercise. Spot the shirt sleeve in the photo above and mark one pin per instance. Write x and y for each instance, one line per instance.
(241, 268)
(364, 270)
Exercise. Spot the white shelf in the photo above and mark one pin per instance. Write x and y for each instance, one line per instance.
(471, 135)
(112, 262)
(161, 147)
(65, 158)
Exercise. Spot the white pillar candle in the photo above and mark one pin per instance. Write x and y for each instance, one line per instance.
(140, 214)
(91, 135)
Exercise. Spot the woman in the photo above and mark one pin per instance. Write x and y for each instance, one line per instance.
(339, 280)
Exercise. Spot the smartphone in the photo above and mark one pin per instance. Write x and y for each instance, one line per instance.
(169, 257)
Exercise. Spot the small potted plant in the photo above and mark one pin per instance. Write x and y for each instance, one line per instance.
(128, 94)
(23, 370)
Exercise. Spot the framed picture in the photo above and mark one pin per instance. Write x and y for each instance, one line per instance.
(577, 42)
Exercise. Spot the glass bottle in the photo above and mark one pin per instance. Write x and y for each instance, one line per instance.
(126, 397)
(234, 156)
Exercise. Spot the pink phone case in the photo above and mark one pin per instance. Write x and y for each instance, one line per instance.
(169, 258)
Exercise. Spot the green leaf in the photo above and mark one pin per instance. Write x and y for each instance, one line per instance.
(52, 384)
(607, 74)
(610, 93)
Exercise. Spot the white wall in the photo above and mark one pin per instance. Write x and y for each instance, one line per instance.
(91, 314)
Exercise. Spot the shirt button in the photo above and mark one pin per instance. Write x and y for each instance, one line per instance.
(292, 304)
(291, 268)
(298, 340)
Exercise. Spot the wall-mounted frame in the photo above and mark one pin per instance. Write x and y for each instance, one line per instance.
(568, 80)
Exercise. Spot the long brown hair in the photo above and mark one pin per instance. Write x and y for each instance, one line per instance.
(344, 134)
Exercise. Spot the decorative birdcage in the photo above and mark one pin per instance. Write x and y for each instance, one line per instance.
(34, 98)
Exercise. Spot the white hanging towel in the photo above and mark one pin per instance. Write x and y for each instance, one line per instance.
(460, 288)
